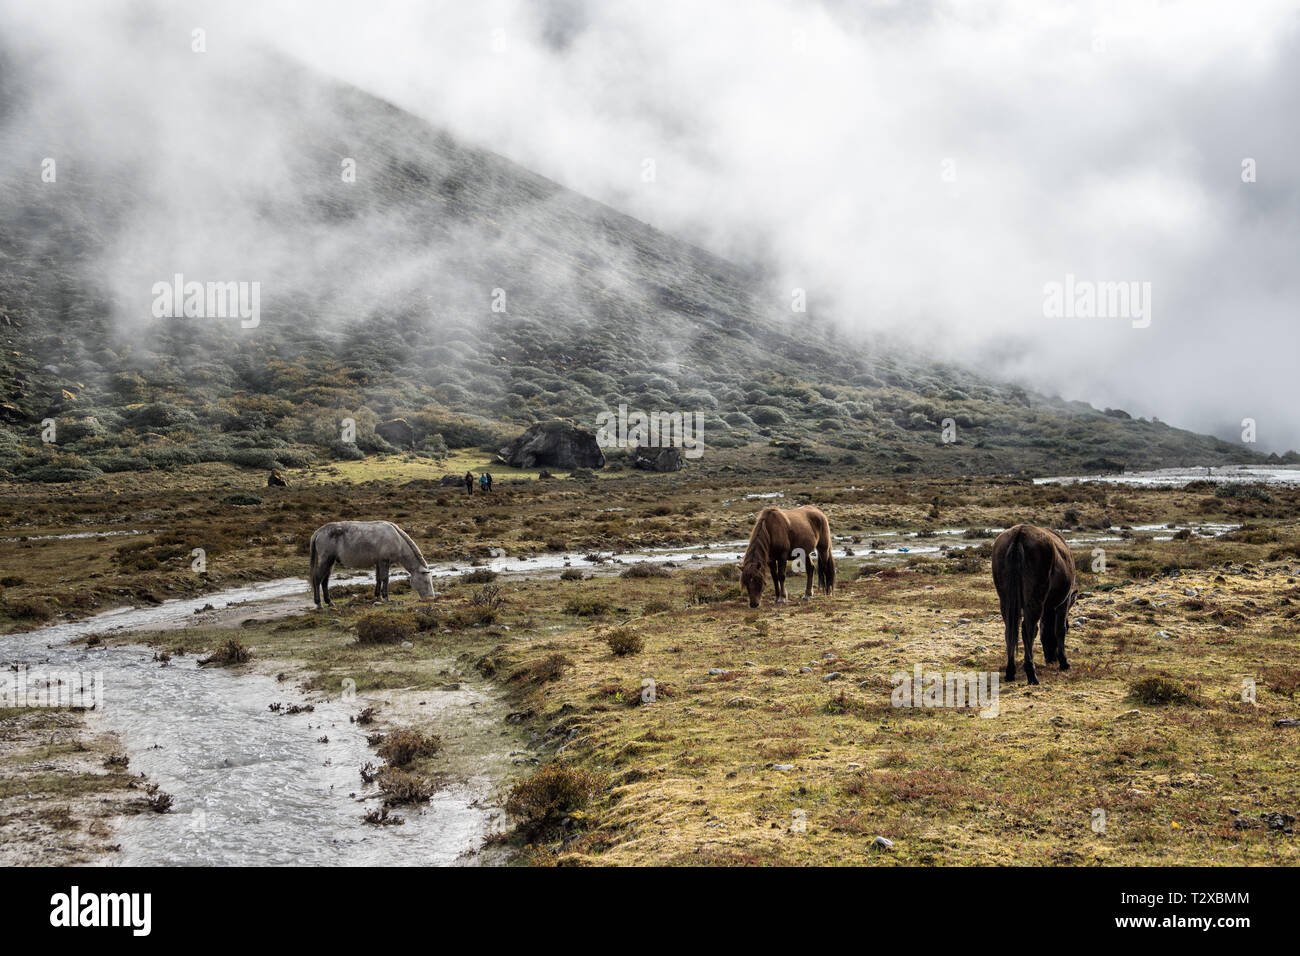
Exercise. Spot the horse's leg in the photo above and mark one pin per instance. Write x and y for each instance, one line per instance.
(379, 566)
(1010, 617)
(1033, 613)
(808, 569)
(325, 581)
(315, 587)
(776, 581)
(1054, 625)
(387, 566)
(1047, 636)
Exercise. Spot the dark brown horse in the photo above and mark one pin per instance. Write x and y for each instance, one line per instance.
(780, 536)
(1033, 571)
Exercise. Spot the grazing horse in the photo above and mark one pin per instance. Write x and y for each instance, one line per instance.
(776, 538)
(1033, 571)
(360, 544)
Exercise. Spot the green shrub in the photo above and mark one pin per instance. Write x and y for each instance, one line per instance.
(587, 605)
(624, 641)
(59, 474)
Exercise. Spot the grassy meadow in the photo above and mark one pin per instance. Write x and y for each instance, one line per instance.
(771, 737)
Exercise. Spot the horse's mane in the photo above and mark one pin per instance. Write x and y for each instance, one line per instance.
(760, 543)
(412, 547)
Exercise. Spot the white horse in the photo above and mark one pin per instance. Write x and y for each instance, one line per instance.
(360, 544)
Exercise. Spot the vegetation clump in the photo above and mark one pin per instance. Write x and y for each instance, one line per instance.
(385, 628)
(557, 790)
(624, 641)
(401, 747)
(1159, 690)
(228, 652)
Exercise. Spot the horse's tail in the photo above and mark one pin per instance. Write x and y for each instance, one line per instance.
(825, 560)
(1017, 580)
(315, 579)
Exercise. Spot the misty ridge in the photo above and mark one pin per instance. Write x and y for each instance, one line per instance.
(401, 272)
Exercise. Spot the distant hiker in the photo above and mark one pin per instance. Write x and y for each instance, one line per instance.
(469, 482)
(485, 482)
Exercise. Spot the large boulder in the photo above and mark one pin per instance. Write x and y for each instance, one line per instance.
(397, 432)
(553, 444)
(658, 459)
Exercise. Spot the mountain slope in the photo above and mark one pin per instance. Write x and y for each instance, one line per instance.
(377, 301)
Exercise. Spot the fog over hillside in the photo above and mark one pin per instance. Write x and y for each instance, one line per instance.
(920, 170)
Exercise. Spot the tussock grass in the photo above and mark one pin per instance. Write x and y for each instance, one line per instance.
(558, 789)
(228, 652)
(402, 747)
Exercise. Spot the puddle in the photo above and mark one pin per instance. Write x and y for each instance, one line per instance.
(1177, 477)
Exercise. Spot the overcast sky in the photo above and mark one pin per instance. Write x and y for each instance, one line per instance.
(921, 169)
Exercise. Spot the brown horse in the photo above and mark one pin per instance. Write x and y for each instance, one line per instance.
(1033, 571)
(780, 536)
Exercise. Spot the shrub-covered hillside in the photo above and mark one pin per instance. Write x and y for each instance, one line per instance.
(378, 301)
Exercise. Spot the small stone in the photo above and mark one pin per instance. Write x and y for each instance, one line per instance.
(782, 766)
(833, 675)
(883, 842)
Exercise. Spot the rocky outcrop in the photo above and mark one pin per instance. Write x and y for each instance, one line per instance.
(397, 432)
(657, 459)
(553, 444)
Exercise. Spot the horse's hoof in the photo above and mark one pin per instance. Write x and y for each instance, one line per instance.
(1065, 665)
(1032, 678)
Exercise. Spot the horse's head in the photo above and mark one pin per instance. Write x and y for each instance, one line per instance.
(422, 581)
(751, 579)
